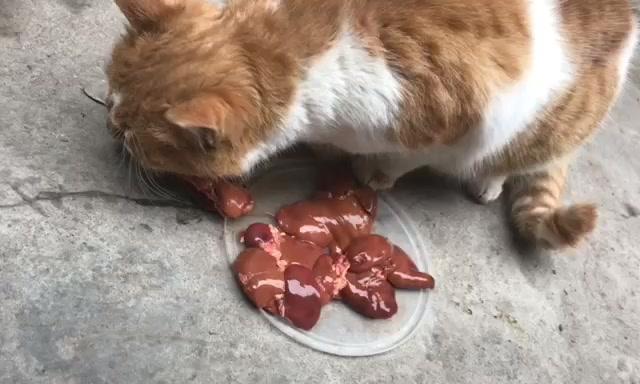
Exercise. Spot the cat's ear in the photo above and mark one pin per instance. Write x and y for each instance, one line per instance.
(203, 116)
(144, 15)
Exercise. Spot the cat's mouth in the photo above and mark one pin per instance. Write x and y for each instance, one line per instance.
(225, 196)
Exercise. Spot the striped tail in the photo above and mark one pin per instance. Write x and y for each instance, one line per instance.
(538, 215)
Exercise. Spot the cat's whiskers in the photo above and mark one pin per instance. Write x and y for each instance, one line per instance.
(145, 176)
(153, 185)
(129, 159)
(157, 188)
(124, 157)
(122, 154)
(140, 179)
(129, 145)
(142, 183)
(129, 178)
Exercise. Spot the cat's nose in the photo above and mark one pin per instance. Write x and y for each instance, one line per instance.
(109, 102)
(111, 126)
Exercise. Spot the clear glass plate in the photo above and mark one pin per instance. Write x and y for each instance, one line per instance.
(340, 330)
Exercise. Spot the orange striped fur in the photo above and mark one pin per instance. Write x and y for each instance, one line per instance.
(486, 90)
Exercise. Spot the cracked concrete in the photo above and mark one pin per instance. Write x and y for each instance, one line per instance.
(100, 284)
(60, 196)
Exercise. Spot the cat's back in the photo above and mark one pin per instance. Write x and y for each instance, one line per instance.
(474, 73)
(596, 27)
(480, 72)
(469, 64)
(599, 33)
(500, 33)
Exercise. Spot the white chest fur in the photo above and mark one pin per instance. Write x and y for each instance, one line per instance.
(348, 99)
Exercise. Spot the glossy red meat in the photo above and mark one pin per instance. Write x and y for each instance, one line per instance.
(262, 268)
(261, 278)
(331, 275)
(370, 294)
(326, 222)
(325, 252)
(340, 185)
(302, 303)
(230, 200)
(376, 252)
(298, 252)
(338, 213)
(258, 234)
(367, 252)
(405, 275)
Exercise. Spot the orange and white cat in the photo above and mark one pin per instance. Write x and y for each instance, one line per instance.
(485, 90)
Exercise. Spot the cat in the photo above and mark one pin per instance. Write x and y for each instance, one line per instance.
(484, 90)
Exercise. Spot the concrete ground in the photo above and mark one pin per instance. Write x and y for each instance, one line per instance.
(96, 287)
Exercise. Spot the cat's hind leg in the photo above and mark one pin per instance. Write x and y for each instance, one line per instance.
(538, 214)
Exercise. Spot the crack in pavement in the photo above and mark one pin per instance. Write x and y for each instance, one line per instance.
(93, 194)
(27, 200)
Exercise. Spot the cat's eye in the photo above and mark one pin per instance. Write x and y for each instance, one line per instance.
(207, 138)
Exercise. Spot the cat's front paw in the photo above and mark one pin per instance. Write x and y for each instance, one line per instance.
(368, 171)
(487, 189)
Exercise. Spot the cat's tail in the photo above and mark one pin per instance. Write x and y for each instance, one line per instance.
(538, 214)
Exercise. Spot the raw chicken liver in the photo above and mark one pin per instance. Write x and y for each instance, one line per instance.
(261, 278)
(230, 200)
(370, 294)
(280, 274)
(326, 222)
(323, 250)
(374, 252)
(302, 303)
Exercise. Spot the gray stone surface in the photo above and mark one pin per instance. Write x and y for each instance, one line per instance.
(97, 288)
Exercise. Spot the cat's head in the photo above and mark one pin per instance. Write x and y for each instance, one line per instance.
(182, 94)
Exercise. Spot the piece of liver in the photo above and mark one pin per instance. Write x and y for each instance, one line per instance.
(228, 199)
(300, 252)
(331, 275)
(258, 234)
(339, 212)
(367, 252)
(278, 273)
(405, 275)
(287, 249)
(302, 302)
(261, 278)
(370, 294)
(376, 252)
(326, 222)
(332, 185)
